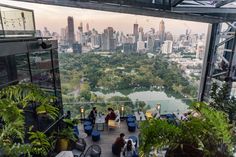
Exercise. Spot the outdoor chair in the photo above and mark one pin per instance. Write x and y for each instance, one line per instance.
(114, 123)
(79, 147)
(117, 120)
(93, 151)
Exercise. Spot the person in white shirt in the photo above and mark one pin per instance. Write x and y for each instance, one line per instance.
(129, 149)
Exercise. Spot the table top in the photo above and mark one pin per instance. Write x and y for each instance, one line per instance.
(100, 119)
(82, 135)
(65, 154)
(139, 116)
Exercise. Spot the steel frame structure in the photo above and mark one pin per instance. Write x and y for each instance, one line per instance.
(220, 57)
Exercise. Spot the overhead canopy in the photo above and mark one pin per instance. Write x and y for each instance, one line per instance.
(210, 11)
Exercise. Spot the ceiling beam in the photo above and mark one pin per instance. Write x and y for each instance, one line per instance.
(176, 2)
(223, 2)
(129, 9)
(206, 10)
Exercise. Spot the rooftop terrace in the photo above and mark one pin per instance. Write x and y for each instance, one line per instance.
(108, 138)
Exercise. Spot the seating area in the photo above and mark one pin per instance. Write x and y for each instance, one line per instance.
(128, 125)
(106, 138)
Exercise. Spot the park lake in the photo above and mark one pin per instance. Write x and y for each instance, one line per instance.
(151, 98)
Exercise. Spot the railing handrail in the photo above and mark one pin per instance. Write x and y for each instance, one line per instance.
(100, 102)
(56, 122)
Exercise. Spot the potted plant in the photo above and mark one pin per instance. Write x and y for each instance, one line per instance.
(64, 137)
(203, 135)
(40, 145)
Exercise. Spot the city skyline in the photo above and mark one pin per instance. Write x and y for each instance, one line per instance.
(100, 20)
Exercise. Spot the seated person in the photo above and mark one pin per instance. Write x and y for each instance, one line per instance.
(92, 115)
(111, 115)
(118, 145)
(129, 149)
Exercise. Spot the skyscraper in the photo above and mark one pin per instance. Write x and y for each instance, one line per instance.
(135, 31)
(150, 43)
(108, 40)
(140, 43)
(140, 30)
(162, 31)
(71, 35)
(169, 36)
(80, 28)
(87, 27)
(167, 47)
(200, 50)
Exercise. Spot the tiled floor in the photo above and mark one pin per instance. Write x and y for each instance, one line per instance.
(109, 137)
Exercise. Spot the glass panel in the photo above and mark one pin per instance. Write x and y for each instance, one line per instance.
(22, 66)
(56, 69)
(41, 67)
(17, 21)
(57, 78)
(3, 71)
(55, 59)
(149, 108)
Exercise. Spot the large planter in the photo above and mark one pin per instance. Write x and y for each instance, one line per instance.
(62, 144)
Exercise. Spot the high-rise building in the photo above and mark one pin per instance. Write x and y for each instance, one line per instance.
(38, 33)
(55, 36)
(140, 43)
(157, 45)
(167, 47)
(77, 48)
(46, 32)
(80, 28)
(87, 27)
(200, 50)
(135, 31)
(150, 43)
(130, 38)
(70, 26)
(142, 32)
(80, 34)
(108, 40)
(169, 36)
(162, 31)
(95, 39)
(63, 36)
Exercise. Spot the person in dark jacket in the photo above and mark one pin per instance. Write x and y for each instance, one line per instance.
(118, 145)
(111, 115)
(92, 115)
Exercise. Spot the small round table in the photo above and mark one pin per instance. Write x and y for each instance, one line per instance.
(82, 135)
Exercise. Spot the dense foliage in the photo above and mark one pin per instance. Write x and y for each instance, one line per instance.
(15, 101)
(119, 71)
(222, 101)
(208, 133)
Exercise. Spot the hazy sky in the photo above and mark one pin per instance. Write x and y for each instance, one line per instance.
(55, 18)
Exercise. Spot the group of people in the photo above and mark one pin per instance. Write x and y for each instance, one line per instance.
(93, 114)
(121, 147)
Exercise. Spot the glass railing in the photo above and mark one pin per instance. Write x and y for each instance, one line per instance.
(81, 110)
(16, 22)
